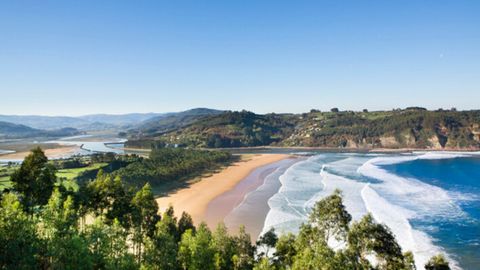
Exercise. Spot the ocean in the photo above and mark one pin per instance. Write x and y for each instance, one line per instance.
(430, 201)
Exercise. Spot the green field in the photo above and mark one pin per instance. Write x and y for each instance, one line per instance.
(72, 173)
(67, 175)
(5, 182)
(5, 173)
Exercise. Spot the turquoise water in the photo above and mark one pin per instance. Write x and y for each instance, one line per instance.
(459, 235)
(430, 201)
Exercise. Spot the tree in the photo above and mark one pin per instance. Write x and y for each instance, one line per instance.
(196, 251)
(34, 180)
(18, 240)
(184, 223)
(267, 240)
(161, 249)
(107, 195)
(358, 242)
(224, 247)
(59, 217)
(144, 217)
(170, 221)
(330, 217)
(66, 249)
(437, 262)
(335, 110)
(367, 236)
(108, 246)
(313, 251)
(244, 250)
(264, 264)
(285, 249)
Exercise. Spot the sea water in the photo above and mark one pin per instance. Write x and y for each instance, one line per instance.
(430, 201)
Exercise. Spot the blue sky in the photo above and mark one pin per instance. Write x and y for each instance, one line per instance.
(82, 57)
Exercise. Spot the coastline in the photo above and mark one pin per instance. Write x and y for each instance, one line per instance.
(348, 149)
(196, 198)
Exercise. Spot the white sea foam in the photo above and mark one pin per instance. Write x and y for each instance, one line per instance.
(396, 218)
(420, 197)
(287, 206)
(391, 199)
(408, 198)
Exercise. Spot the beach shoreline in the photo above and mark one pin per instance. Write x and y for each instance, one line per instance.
(196, 198)
(348, 149)
(247, 204)
(52, 153)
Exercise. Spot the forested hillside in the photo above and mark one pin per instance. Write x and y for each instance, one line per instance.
(408, 128)
(171, 121)
(229, 129)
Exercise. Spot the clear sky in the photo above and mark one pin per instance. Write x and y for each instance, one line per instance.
(82, 57)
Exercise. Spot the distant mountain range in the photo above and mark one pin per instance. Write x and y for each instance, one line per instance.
(87, 122)
(108, 121)
(20, 126)
(409, 128)
(15, 131)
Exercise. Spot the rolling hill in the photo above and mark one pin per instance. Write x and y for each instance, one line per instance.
(14, 131)
(87, 122)
(408, 128)
(171, 121)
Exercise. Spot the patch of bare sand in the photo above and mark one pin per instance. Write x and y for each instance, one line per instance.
(53, 153)
(195, 198)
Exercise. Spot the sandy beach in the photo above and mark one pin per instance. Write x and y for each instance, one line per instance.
(196, 197)
(247, 203)
(53, 153)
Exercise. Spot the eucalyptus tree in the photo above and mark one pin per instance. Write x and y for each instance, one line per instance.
(34, 179)
(196, 251)
(244, 250)
(267, 241)
(224, 246)
(437, 262)
(19, 242)
(161, 249)
(65, 247)
(144, 217)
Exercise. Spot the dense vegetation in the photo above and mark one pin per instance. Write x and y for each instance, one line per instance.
(409, 128)
(229, 129)
(43, 226)
(166, 165)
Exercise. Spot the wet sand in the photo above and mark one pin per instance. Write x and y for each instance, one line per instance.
(195, 198)
(247, 203)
